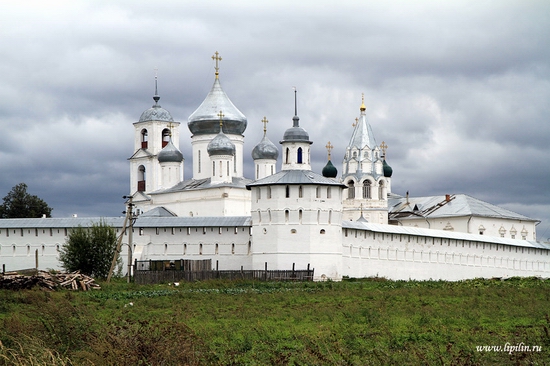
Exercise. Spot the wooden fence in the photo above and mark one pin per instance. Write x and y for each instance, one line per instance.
(150, 272)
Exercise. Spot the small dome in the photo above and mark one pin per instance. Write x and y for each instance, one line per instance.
(205, 120)
(170, 154)
(221, 145)
(265, 150)
(330, 171)
(388, 171)
(156, 113)
(296, 133)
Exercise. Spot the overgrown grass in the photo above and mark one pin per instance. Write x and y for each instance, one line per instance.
(355, 322)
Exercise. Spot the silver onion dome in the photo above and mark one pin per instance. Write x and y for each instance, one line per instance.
(220, 145)
(205, 119)
(265, 150)
(170, 154)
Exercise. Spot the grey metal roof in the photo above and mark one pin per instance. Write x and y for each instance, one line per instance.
(156, 112)
(158, 212)
(438, 206)
(393, 229)
(170, 153)
(295, 177)
(362, 136)
(117, 222)
(265, 150)
(196, 184)
(296, 133)
(220, 145)
(60, 222)
(210, 221)
(205, 119)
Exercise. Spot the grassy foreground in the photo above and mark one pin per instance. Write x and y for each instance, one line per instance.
(363, 322)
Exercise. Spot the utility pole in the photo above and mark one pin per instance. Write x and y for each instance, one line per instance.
(129, 217)
(130, 236)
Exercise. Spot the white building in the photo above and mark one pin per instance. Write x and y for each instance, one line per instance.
(353, 226)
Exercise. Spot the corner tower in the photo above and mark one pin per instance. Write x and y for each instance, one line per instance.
(204, 126)
(363, 174)
(297, 214)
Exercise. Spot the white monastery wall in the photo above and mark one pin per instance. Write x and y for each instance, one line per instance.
(403, 256)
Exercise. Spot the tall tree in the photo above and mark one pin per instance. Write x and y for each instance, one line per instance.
(89, 250)
(20, 204)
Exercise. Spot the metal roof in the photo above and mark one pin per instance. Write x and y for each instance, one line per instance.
(205, 183)
(295, 177)
(438, 206)
(141, 221)
(60, 222)
(415, 231)
(205, 120)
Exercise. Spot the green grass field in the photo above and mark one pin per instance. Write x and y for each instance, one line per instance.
(362, 322)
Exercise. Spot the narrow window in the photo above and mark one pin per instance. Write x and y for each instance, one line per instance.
(287, 191)
(300, 216)
(165, 137)
(200, 249)
(199, 159)
(329, 193)
(300, 192)
(141, 178)
(318, 192)
(299, 160)
(286, 215)
(232, 248)
(287, 155)
(259, 193)
(366, 189)
(213, 168)
(351, 189)
(268, 192)
(144, 139)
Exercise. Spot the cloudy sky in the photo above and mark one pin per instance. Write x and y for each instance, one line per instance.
(458, 90)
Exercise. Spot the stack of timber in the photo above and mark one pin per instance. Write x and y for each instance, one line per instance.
(46, 280)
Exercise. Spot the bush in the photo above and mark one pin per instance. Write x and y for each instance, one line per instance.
(90, 250)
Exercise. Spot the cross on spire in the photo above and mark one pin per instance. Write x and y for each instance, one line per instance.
(384, 147)
(221, 115)
(265, 121)
(363, 107)
(217, 58)
(329, 148)
(356, 122)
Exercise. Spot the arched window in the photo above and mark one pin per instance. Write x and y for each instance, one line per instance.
(299, 160)
(287, 192)
(141, 178)
(329, 195)
(287, 214)
(300, 192)
(381, 190)
(287, 155)
(144, 139)
(165, 137)
(351, 189)
(213, 168)
(366, 189)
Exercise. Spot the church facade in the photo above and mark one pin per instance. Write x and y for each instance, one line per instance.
(349, 226)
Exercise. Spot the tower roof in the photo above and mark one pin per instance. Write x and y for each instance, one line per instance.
(221, 144)
(362, 136)
(170, 153)
(156, 112)
(204, 120)
(295, 133)
(265, 150)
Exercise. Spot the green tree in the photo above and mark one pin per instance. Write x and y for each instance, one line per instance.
(89, 250)
(20, 204)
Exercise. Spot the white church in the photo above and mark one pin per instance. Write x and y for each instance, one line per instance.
(288, 215)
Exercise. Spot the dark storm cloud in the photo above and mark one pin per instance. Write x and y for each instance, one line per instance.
(457, 90)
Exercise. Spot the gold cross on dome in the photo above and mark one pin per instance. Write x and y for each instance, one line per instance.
(217, 58)
(356, 122)
(329, 148)
(384, 147)
(265, 121)
(221, 115)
